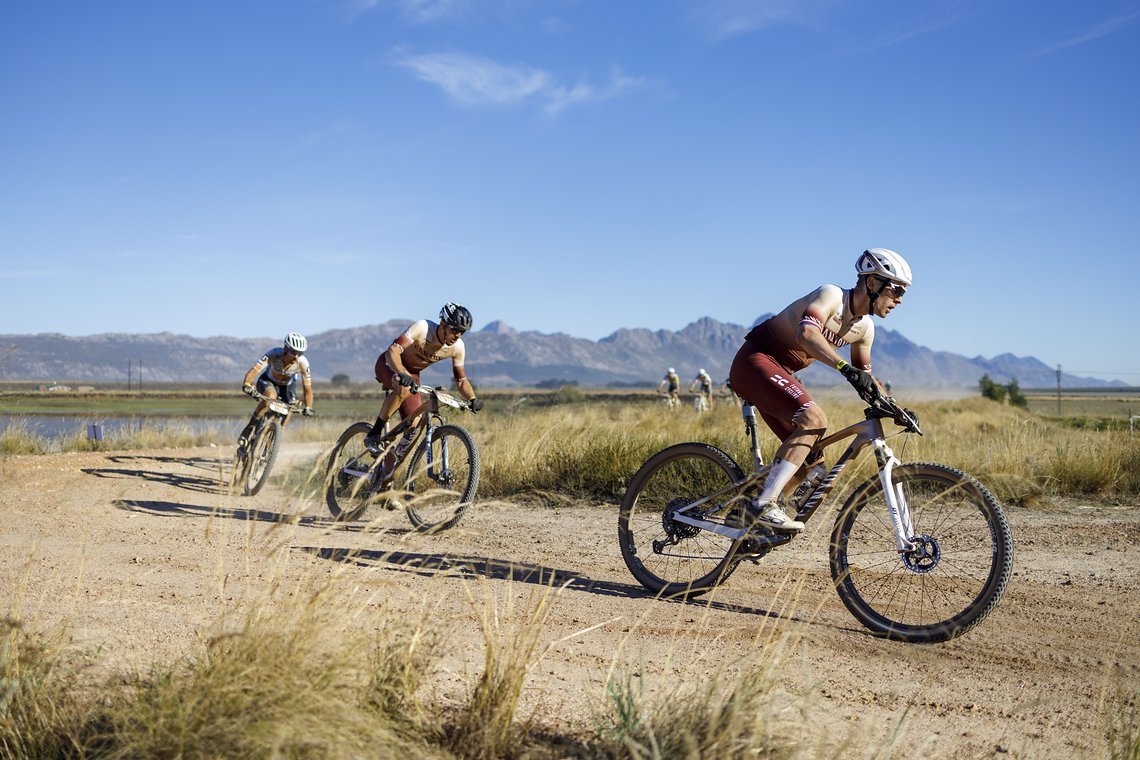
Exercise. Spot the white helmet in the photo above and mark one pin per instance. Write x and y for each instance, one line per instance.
(701, 371)
(885, 263)
(296, 343)
(671, 371)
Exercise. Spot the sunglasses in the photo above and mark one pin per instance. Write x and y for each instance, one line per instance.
(291, 352)
(894, 289)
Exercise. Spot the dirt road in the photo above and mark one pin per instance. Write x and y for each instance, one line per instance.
(142, 554)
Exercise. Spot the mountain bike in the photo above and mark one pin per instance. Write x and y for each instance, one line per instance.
(435, 488)
(670, 400)
(257, 449)
(700, 402)
(919, 552)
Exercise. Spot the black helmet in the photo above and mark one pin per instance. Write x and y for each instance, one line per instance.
(455, 315)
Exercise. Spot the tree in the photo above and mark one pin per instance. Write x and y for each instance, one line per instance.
(1016, 397)
(992, 390)
(340, 380)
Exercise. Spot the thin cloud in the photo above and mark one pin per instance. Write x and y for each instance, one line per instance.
(1103, 29)
(414, 11)
(731, 18)
(474, 81)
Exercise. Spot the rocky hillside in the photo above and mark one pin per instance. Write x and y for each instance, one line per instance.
(498, 355)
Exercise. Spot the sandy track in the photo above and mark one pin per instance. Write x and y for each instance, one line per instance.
(141, 553)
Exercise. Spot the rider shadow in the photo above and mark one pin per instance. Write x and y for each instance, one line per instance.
(197, 483)
(499, 569)
(174, 509)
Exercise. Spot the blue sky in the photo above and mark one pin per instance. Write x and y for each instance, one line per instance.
(252, 168)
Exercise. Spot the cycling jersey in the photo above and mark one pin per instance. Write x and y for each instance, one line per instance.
(674, 381)
(421, 348)
(281, 370)
(827, 308)
(763, 369)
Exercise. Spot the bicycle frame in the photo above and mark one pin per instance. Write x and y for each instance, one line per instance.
(869, 432)
(428, 418)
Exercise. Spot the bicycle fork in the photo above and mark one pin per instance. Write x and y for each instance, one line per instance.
(897, 507)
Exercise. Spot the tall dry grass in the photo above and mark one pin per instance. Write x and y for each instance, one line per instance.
(591, 449)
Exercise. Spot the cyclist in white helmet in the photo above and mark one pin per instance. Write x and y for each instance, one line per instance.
(704, 380)
(673, 381)
(812, 328)
(275, 375)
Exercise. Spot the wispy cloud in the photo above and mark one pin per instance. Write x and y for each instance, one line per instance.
(1103, 29)
(475, 81)
(415, 11)
(723, 19)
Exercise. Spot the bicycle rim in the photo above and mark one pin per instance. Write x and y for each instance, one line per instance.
(668, 557)
(437, 494)
(348, 485)
(263, 455)
(947, 587)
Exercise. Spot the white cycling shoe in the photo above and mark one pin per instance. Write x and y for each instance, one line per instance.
(772, 516)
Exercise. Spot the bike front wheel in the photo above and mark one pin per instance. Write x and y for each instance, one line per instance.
(262, 455)
(440, 481)
(955, 576)
(667, 556)
(348, 478)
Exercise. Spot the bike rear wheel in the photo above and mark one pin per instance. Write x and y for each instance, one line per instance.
(262, 455)
(950, 583)
(348, 477)
(439, 491)
(668, 557)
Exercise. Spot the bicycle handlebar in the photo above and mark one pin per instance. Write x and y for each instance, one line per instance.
(885, 407)
(295, 406)
(444, 398)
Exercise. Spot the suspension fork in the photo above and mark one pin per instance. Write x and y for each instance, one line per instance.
(897, 507)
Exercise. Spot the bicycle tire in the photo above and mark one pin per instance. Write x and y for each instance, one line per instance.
(435, 500)
(944, 590)
(669, 558)
(240, 469)
(262, 455)
(348, 496)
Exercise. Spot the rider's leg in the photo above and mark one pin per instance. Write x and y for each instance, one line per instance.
(810, 425)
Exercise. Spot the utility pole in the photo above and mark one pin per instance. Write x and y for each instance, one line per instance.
(140, 378)
(1058, 390)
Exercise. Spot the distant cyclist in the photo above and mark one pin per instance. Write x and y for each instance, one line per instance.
(424, 343)
(813, 328)
(673, 381)
(275, 375)
(705, 382)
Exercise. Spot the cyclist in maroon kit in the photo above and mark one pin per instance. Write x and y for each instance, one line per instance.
(424, 343)
(812, 328)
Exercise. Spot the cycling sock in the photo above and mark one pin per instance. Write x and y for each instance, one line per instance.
(778, 477)
(379, 425)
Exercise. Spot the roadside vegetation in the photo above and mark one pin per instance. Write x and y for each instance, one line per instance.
(559, 445)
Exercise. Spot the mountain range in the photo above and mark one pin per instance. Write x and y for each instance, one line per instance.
(497, 356)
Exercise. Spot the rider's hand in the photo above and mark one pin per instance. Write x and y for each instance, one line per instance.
(307, 412)
(476, 404)
(248, 389)
(860, 380)
(404, 379)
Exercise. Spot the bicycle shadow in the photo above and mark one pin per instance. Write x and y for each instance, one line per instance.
(197, 483)
(430, 565)
(177, 509)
